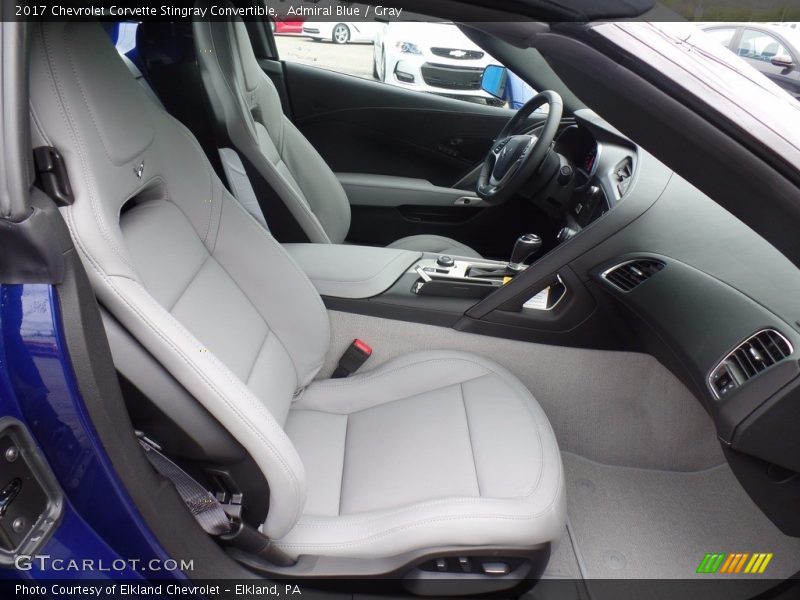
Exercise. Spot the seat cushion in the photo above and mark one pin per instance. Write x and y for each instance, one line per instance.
(431, 449)
(436, 244)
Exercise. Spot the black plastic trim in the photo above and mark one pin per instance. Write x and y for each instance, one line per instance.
(31, 250)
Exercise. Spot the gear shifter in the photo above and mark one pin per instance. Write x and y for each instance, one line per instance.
(526, 245)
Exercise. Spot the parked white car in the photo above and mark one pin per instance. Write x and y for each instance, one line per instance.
(341, 33)
(430, 57)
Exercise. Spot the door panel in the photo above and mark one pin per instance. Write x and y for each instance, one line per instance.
(363, 126)
(371, 127)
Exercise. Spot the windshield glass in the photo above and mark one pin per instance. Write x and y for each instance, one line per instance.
(697, 62)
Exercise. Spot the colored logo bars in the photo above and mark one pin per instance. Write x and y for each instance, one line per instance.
(740, 562)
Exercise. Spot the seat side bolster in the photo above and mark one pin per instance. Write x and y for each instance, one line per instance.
(218, 390)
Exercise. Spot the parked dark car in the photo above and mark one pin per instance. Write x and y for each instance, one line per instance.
(774, 51)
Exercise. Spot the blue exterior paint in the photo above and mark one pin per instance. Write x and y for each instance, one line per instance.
(38, 387)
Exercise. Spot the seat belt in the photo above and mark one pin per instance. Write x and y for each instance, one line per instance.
(202, 504)
(210, 513)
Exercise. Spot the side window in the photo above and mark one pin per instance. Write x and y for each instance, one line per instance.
(125, 39)
(431, 57)
(759, 46)
(724, 35)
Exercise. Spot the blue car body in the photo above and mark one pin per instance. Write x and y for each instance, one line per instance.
(97, 517)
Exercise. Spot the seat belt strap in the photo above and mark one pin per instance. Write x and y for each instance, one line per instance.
(210, 514)
(202, 504)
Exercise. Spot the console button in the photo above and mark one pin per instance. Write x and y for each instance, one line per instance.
(445, 261)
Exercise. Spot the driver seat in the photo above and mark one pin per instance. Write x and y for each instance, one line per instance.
(248, 110)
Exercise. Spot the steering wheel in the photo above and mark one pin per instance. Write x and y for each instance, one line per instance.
(513, 159)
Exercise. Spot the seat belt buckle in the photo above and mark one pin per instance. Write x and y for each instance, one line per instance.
(356, 355)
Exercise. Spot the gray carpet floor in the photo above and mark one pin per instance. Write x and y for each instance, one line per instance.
(633, 523)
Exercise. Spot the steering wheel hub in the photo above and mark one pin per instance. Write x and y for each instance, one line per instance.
(514, 156)
(513, 151)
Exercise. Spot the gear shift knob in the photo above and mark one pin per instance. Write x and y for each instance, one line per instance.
(526, 245)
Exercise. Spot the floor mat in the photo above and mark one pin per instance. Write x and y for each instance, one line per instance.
(635, 523)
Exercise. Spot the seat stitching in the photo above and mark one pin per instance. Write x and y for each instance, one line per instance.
(348, 520)
(337, 383)
(422, 523)
(215, 54)
(68, 49)
(209, 173)
(344, 463)
(289, 262)
(189, 283)
(66, 115)
(528, 493)
(545, 509)
(427, 391)
(297, 377)
(469, 436)
(258, 354)
(271, 240)
(37, 123)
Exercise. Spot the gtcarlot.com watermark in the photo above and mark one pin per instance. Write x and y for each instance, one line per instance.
(44, 562)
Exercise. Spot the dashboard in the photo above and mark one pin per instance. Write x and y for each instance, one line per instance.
(711, 299)
(602, 172)
(663, 269)
(578, 145)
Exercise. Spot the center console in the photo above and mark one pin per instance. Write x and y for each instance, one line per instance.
(418, 286)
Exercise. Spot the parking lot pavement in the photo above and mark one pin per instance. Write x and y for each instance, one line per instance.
(353, 59)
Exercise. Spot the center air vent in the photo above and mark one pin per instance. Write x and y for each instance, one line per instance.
(630, 274)
(622, 173)
(748, 359)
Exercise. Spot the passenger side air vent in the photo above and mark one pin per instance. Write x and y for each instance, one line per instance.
(630, 274)
(756, 354)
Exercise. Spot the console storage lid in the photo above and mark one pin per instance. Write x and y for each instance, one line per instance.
(345, 271)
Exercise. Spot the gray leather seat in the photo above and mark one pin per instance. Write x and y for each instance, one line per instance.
(431, 450)
(248, 107)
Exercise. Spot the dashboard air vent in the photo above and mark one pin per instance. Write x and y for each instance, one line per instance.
(756, 354)
(630, 274)
(623, 172)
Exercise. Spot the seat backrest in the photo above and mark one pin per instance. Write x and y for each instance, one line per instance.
(174, 257)
(247, 106)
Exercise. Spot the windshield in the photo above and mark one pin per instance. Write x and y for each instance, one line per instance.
(695, 61)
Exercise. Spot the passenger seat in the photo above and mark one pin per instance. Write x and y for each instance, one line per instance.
(433, 457)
